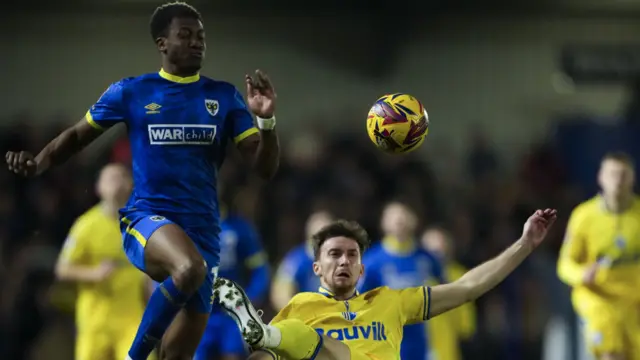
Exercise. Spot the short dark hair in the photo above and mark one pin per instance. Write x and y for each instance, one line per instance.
(164, 15)
(621, 157)
(344, 228)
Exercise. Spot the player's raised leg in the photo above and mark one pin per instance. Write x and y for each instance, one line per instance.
(289, 338)
(166, 253)
(330, 349)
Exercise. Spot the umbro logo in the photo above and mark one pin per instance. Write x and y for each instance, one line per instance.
(153, 108)
(349, 315)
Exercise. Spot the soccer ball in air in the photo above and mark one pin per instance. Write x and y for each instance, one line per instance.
(397, 123)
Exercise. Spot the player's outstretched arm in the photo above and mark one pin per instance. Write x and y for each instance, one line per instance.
(59, 150)
(262, 150)
(485, 277)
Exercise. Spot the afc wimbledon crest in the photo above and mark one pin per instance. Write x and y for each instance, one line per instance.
(212, 106)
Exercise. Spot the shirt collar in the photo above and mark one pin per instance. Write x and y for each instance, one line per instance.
(394, 246)
(178, 79)
(331, 295)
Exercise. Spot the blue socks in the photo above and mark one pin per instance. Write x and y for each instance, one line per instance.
(164, 304)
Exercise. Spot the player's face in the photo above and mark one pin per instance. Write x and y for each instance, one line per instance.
(185, 44)
(339, 264)
(616, 177)
(398, 220)
(114, 184)
(435, 242)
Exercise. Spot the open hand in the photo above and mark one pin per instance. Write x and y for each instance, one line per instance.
(538, 225)
(261, 96)
(21, 163)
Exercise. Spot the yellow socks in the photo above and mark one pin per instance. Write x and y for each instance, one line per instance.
(293, 339)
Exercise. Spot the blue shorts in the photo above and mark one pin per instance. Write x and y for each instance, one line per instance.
(222, 337)
(138, 226)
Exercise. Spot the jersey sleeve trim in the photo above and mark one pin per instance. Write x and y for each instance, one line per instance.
(245, 134)
(92, 122)
(426, 291)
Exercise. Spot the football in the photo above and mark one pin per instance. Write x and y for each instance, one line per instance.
(397, 123)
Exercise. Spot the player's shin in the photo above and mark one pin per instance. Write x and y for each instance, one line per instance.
(164, 304)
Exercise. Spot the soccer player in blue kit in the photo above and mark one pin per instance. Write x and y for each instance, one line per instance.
(243, 260)
(398, 262)
(179, 124)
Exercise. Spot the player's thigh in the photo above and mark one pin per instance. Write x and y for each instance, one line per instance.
(182, 338)
(604, 333)
(332, 349)
(158, 246)
(94, 345)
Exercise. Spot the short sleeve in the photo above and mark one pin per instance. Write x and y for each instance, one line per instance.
(414, 304)
(110, 109)
(75, 249)
(239, 118)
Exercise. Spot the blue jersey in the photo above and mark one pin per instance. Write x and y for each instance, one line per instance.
(400, 266)
(242, 258)
(297, 268)
(178, 130)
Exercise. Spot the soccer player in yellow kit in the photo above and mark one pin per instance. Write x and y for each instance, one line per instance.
(338, 323)
(600, 260)
(111, 292)
(448, 330)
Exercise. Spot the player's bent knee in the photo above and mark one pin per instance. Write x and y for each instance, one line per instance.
(189, 274)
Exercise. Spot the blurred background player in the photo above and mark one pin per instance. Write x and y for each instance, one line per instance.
(295, 273)
(242, 259)
(398, 262)
(600, 261)
(449, 330)
(111, 291)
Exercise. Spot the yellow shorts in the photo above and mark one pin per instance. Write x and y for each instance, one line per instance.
(102, 344)
(613, 329)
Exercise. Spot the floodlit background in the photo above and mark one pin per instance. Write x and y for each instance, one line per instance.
(523, 102)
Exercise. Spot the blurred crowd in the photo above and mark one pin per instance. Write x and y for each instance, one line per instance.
(484, 207)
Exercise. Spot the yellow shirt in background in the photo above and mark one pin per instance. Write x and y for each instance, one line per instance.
(118, 301)
(446, 331)
(594, 234)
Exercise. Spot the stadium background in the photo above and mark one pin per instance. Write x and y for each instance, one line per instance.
(519, 119)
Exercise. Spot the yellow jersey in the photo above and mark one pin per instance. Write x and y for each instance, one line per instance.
(448, 329)
(94, 238)
(595, 234)
(369, 323)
